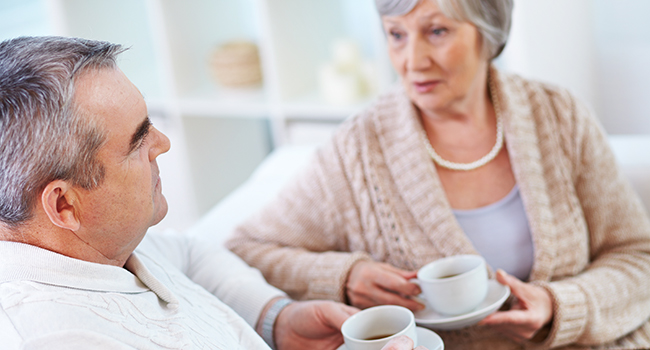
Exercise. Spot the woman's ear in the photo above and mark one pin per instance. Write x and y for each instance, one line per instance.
(60, 203)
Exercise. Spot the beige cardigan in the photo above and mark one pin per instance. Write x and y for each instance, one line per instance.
(373, 193)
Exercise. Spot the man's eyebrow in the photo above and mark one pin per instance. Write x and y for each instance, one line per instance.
(140, 133)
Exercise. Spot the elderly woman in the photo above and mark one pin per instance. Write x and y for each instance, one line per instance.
(464, 159)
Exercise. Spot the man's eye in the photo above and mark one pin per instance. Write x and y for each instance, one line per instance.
(144, 137)
(141, 143)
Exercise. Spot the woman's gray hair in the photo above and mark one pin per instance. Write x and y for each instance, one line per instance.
(493, 18)
(43, 137)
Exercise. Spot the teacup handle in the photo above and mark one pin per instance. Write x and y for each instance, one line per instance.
(419, 298)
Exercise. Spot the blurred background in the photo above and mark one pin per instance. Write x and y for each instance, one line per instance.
(229, 81)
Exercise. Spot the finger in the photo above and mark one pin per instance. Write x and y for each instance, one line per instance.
(517, 287)
(404, 273)
(336, 313)
(350, 310)
(518, 325)
(398, 284)
(389, 298)
(399, 343)
(379, 296)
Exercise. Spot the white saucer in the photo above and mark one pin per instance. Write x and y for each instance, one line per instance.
(426, 337)
(496, 296)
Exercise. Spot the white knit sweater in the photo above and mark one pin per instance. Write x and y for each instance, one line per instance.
(50, 301)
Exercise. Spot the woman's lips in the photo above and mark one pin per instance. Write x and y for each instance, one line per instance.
(425, 86)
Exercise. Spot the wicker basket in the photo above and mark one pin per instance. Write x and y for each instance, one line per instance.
(236, 64)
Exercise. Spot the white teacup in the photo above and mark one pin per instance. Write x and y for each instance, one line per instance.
(372, 328)
(454, 285)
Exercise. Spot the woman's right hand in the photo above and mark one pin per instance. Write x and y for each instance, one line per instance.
(373, 283)
(401, 343)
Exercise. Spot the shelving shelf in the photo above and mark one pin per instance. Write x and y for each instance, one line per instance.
(242, 103)
(313, 108)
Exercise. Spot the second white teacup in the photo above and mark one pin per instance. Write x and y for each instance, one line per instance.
(374, 327)
(454, 285)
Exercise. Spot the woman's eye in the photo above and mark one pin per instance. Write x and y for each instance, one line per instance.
(438, 31)
(396, 35)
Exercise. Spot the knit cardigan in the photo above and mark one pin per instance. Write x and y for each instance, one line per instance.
(373, 193)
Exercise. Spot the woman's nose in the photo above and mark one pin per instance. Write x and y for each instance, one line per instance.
(418, 57)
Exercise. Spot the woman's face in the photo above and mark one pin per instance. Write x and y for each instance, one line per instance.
(439, 59)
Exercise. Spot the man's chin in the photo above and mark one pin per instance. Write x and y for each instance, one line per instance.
(161, 211)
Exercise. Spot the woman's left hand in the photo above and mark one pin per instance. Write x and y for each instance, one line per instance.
(531, 310)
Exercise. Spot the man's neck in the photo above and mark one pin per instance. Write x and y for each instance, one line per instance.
(62, 241)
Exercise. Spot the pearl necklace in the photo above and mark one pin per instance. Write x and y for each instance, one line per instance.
(478, 163)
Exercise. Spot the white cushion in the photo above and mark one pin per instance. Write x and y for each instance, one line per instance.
(262, 186)
(633, 155)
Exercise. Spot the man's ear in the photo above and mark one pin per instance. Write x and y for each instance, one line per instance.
(61, 205)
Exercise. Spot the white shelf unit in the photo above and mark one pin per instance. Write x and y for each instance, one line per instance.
(170, 42)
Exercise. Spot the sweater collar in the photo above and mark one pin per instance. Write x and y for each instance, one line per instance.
(416, 177)
(521, 109)
(24, 262)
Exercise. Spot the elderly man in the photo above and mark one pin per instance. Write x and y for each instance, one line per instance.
(79, 187)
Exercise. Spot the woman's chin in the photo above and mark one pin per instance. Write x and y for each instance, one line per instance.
(430, 106)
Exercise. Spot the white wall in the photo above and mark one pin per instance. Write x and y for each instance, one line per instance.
(622, 33)
(551, 40)
(599, 49)
(22, 17)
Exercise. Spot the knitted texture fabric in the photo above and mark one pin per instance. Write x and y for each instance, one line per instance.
(373, 193)
(159, 300)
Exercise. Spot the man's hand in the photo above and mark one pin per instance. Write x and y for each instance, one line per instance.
(401, 343)
(531, 310)
(372, 283)
(311, 325)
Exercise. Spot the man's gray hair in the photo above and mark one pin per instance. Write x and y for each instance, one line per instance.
(493, 18)
(43, 137)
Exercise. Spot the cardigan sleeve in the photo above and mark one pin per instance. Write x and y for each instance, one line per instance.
(611, 297)
(299, 240)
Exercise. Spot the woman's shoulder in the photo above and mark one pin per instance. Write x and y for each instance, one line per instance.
(548, 100)
(535, 88)
(387, 103)
(368, 121)
(564, 122)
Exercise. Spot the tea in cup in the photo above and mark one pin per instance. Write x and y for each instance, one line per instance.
(372, 328)
(454, 285)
